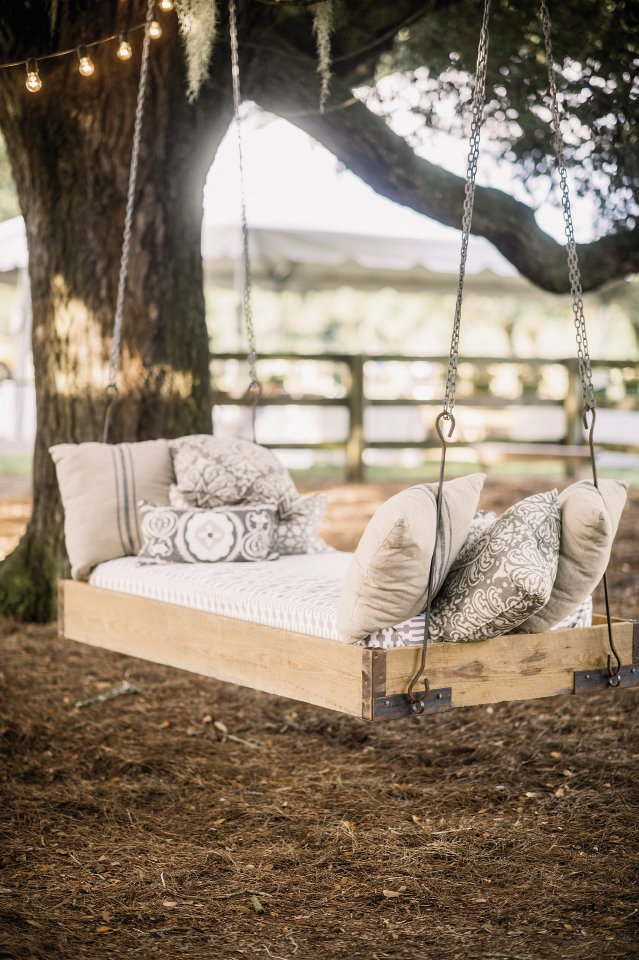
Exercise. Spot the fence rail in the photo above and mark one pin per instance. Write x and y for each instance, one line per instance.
(356, 401)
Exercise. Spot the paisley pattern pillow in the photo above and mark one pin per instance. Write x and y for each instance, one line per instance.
(214, 472)
(206, 536)
(503, 576)
(298, 535)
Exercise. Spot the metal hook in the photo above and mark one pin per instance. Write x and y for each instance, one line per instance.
(255, 389)
(614, 676)
(418, 700)
(110, 394)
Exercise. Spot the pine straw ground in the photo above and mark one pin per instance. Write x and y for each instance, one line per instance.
(134, 827)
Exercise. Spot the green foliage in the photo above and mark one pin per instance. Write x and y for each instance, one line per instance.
(8, 197)
(596, 49)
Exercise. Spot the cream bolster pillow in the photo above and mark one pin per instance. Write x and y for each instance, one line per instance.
(589, 521)
(100, 485)
(387, 580)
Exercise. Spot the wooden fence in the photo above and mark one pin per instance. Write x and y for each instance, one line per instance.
(569, 449)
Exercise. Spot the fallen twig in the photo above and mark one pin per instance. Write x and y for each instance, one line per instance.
(119, 691)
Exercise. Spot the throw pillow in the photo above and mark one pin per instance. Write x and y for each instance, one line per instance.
(387, 580)
(502, 577)
(100, 484)
(206, 536)
(213, 472)
(589, 521)
(298, 535)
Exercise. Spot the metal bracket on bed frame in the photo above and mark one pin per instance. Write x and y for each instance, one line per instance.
(377, 706)
(398, 705)
(592, 681)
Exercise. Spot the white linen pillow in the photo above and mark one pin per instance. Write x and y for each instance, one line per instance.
(206, 536)
(387, 580)
(216, 472)
(589, 521)
(100, 484)
(503, 576)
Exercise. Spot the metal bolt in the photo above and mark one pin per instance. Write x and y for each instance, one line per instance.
(587, 676)
(439, 696)
(388, 703)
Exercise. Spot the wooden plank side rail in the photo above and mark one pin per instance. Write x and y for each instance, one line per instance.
(288, 664)
(348, 678)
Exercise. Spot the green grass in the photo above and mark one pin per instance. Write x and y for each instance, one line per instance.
(15, 463)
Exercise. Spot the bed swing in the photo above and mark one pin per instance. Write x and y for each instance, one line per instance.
(374, 684)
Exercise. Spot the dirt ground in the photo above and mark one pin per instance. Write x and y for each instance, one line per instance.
(136, 827)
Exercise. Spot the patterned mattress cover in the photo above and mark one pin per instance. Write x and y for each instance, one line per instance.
(298, 593)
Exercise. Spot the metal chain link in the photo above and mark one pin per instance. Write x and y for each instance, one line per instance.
(585, 372)
(479, 96)
(114, 358)
(255, 387)
(418, 699)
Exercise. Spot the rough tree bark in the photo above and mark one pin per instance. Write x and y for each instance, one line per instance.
(70, 148)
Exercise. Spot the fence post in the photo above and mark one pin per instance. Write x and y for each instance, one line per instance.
(355, 442)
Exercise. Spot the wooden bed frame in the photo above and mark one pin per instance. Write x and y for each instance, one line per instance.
(368, 683)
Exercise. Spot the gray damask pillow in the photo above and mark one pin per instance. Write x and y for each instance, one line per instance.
(298, 535)
(206, 536)
(503, 576)
(215, 472)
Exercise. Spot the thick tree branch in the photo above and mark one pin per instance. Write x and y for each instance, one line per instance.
(368, 147)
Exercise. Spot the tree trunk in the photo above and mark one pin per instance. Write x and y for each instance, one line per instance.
(70, 149)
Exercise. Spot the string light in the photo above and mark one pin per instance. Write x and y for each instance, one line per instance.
(166, 5)
(86, 67)
(34, 83)
(155, 30)
(124, 47)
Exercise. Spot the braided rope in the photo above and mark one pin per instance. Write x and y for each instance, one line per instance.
(254, 386)
(114, 358)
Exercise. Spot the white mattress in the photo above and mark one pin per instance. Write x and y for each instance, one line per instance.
(297, 593)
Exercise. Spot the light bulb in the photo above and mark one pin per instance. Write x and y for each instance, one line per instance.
(86, 67)
(155, 30)
(124, 47)
(34, 83)
(166, 5)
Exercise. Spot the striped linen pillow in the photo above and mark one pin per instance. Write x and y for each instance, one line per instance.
(100, 485)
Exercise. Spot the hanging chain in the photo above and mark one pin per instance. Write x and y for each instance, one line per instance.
(585, 372)
(583, 356)
(114, 359)
(479, 96)
(255, 388)
(418, 700)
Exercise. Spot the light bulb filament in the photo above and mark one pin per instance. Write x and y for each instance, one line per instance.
(155, 30)
(86, 67)
(34, 83)
(166, 5)
(124, 47)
